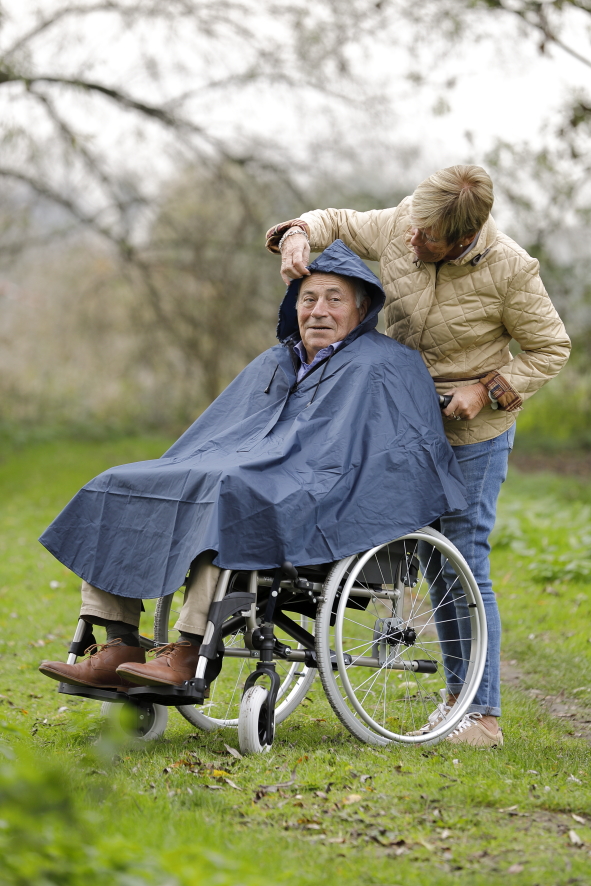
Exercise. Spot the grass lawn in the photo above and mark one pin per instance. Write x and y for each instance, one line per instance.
(78, 804)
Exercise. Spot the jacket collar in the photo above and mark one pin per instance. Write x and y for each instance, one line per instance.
(479, 251)
(482, 247)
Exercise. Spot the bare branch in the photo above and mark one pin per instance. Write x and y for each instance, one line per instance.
(155, 9)
(534, 14)
(90, 160)
(43, 190)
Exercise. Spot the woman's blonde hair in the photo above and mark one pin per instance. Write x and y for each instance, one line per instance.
(453, 202)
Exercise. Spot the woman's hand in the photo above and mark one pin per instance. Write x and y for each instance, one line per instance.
(467, 402)
(295, 255)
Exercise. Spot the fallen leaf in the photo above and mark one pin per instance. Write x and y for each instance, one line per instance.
(515, 869)
(445, 834)
(574, 838)
(364, 778)
(214, 787)
(234, 752)
(273, 788)
(532, 772)
(351, 798)
(579, 819)
(232, 785)
(508, 809)
(574, 780)
(336, 840)
(321, 794)
(219, 773)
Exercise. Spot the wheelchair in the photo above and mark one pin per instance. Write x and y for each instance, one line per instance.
(373, 626)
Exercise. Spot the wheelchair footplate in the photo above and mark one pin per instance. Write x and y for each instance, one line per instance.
(191, 692)
(94, 693)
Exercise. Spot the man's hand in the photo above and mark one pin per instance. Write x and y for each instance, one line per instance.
(295, 255)
(467, 402)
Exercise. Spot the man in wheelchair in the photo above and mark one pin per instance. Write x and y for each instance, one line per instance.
(327, 444)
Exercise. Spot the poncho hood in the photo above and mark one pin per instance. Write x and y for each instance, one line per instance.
(337, 259)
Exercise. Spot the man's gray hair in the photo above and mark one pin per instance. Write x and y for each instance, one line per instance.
(360, 291)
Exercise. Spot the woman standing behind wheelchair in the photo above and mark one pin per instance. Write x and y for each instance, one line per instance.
(457, 290)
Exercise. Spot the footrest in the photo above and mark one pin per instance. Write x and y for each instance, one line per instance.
(191, 692)
(94, 694)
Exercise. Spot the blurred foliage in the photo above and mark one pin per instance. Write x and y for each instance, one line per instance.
(95, 91)
(95, 346)
(552, 540)
(559, 416)
(63, 826)
(47, 835)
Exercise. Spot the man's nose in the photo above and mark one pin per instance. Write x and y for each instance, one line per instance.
(319, 309)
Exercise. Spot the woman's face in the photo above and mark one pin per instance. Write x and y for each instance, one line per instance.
(426, 246)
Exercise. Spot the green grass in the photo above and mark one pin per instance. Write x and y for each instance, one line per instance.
(78, 805)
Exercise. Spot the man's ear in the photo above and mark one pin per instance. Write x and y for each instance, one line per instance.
(364, 308)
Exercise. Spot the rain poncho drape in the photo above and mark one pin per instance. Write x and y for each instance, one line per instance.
(352, 456)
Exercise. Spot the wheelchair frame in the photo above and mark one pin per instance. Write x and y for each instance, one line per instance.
(249, 607)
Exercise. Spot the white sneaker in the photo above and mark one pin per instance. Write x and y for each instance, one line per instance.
(437, 717)
(472, 732)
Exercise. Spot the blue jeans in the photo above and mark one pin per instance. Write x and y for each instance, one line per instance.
(484, 466)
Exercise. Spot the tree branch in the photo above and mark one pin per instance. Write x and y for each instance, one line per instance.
(540, 23)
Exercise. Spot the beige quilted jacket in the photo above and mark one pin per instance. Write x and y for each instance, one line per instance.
(462, 316)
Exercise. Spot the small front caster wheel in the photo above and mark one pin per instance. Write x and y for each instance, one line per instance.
(144, 722)
(252, 721)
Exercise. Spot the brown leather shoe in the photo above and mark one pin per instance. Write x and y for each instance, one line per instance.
(172, 665)
(99, 669)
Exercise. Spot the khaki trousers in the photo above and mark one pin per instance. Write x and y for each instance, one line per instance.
(192, 618)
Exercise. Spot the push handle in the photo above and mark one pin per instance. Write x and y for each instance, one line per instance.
(445, 400)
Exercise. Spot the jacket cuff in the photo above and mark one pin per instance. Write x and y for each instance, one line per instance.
(275, 234)
(506, 396)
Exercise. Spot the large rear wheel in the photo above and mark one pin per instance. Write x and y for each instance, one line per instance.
(386, 618)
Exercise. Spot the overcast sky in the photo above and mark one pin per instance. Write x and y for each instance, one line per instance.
(504, 89)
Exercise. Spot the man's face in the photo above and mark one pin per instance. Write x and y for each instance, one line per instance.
(327, 311)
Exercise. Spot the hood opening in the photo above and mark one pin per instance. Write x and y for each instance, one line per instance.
(337, 259)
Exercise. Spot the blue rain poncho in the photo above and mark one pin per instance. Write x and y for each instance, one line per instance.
(352, 456)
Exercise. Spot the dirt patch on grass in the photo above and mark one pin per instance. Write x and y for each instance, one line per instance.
(576, 464)
(559, 706)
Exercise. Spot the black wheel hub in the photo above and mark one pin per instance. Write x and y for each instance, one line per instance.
(407, 637)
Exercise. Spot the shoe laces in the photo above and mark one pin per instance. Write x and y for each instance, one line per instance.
(467, 721)
(98, 647)
(439, 714)
(167, 649)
